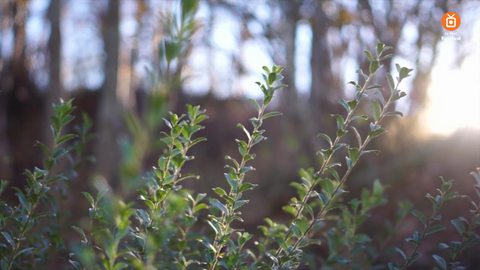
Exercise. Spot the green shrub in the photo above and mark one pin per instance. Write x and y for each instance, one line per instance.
(161, 229)
(164, 232)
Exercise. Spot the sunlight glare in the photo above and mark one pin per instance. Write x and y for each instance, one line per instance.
(454, 98)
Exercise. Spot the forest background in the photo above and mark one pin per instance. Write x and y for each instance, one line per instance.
(105, 54)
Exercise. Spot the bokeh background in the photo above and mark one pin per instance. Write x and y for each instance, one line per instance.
(110, 56)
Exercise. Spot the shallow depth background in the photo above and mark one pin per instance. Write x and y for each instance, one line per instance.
(104, 53)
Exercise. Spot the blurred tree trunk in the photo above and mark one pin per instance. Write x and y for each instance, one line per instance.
(54, 89)
(20, 16)
(320, 91)
(288, 34)
(14, 81)
(108, 118)
(293, 106)
(5, 9)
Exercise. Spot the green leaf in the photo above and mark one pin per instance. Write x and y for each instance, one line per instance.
(404, 73)
(234, 161)
(376, 133)
(25, 250)
(360, 71)
(307, 208)
(246, 169)
(440, 261)
(305, 243)
(199, 119)
(354, 154)
(380, 48)
(56, 124)
(244, 130)
(302, 224)
(219, 191)
(357, 135)
(271, 114)
(273, 258)
(296, 230)
(172, 49)
(375, 86)
(239, 204)
(380, 97)
(352, 104)
(197, 140)
(363, 117)
(80, 232)
(420, 216)
(232, 182)
(334, 173)
(388, 56)
(101, 193)
(199, 207)
(44, 148)
(394, 113)
(369, 55)
(322, 198)
(217, 204)
(75, 264)
(246, 186)
(271, 78)
(328, 186)
(120, 265)
(355, 84)
(378, 189)
(340, 121)
(349, 162)
(290, 210)
(242, 148)
(258, 139)
(399, 251)
(344, 104)
(434, 229)
(200, 197)
(188, 7)
(391, 83)
(376, 110)
(399, 95)
(255, 104)
(65, 138)
(9, 239)
(374, 65)
(458, 225)
(59, 153)
(39, 215)
(393, 266)
(169, 125)
(21, 197)
(325, 136)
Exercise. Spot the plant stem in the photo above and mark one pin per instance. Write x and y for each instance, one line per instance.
(240, 181)
(23, 228)
(344, 178)
(322, 168)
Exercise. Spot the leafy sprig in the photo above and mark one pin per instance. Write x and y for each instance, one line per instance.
(167, 176)
(235, 178)
(39, 180)
(466, 229)
(301, 226)
(430, 225)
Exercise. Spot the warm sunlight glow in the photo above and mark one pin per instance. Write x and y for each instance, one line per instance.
(454, 98)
